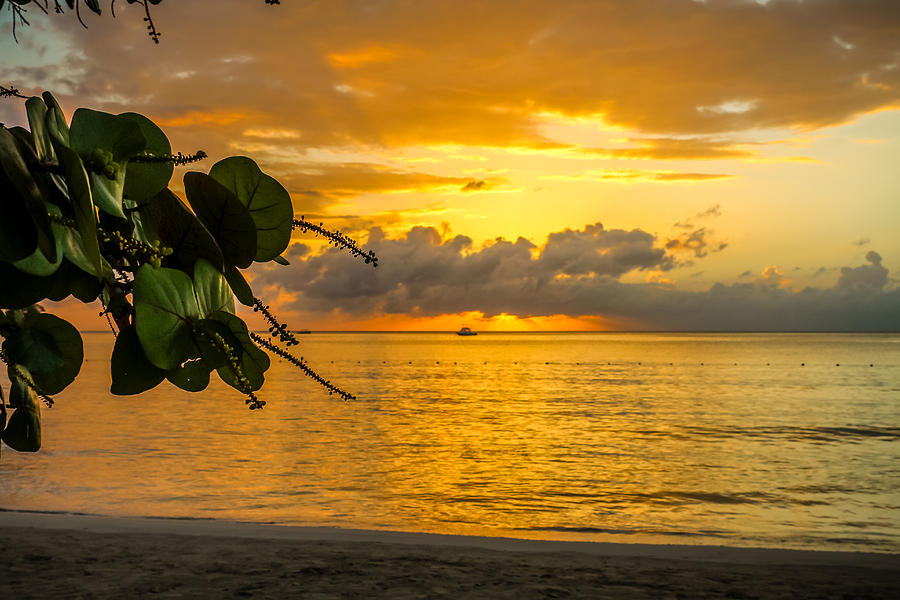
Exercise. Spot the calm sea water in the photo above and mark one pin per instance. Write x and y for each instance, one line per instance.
(674, 438)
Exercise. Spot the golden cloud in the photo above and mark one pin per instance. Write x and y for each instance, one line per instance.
(663, 176)
(346, 180)
(652, 66)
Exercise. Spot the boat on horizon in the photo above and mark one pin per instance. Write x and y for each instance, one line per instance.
(466, 331)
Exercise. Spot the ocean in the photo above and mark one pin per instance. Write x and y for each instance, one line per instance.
(743, 439)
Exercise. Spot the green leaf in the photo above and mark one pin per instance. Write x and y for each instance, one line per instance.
(73, 249)
(37, 264)
(254, 362)
(192, 376)
(79, 196)
(164, 305)
(212, 290)
(167, 219)
(239, 285)
(37, 115)
(16, 170)
(132, 372)
(267, 201)
(94, 133)
(282, 260)
(222, 213)
(56, 121)
(23, 431)
(69, 244)
(50, 348)
(18, 235)
(107, 193)
(145, 180)
(92, 129)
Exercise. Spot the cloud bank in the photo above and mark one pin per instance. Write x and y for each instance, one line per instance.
(577, 273)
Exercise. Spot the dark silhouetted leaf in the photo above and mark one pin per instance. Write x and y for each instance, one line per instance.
(23, 431)
(192, 376)
(16, 170)
(166, 218)
(222, 213)
(132, 372)
(144, 180)
(266, 199)
(19, 289)
(239, 285)
(18, 235)
(50, 348)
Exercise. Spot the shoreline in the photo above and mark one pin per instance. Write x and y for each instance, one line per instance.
(64, 555)
(209, 527)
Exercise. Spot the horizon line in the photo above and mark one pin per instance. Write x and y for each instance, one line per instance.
(584, 331)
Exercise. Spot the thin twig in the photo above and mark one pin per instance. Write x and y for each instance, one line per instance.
(11, 92)
(301, 363)
(336, 239)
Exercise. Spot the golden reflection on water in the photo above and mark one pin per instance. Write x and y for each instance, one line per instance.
(581, 436)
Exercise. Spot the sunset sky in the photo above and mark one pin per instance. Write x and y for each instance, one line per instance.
(565, 165)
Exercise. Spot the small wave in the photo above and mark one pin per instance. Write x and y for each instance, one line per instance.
(852, 434)
(685, 497)
(49, 512)
(601, 530)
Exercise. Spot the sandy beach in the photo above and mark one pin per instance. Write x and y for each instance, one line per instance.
(78, 556)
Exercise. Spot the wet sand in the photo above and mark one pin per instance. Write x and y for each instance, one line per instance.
(77, 556)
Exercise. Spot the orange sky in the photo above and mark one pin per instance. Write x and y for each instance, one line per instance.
(660, 164)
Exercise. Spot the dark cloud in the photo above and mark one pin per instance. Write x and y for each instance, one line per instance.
(576, 273)
(872, 276)
(712, 212)
(696, 242)
(862, 242)
(479, 185)
(596, 251)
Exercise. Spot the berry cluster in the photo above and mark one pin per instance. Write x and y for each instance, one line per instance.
(276, 329)
(101, 161)
(234, 363)
(136, 250)
(178, 159)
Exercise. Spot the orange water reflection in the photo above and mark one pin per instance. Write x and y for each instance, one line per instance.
(580, 436)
